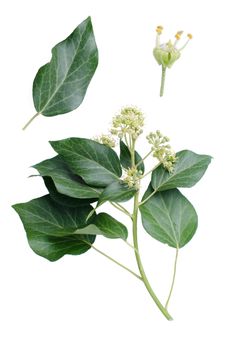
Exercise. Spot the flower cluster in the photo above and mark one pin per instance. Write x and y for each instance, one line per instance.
(130, 121)
(107, 140)
(132, 177)
(168, 53)
(162, 150)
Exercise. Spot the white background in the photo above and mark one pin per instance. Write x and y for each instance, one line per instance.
(87, 302)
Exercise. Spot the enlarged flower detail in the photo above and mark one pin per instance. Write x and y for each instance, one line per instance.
(166, 54)
(162, 150)
(130, 121)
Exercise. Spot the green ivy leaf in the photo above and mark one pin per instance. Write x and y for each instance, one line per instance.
(117, 191)
(60, 85)
(106, 225)
(65, 181)
(62, 199)
(169, 217)
(188, 170)
(125, 158)
(97, 164)
(50, 227)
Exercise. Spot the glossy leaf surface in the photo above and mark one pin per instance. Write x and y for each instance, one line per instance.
(188, 170)
(50, 227)
(117, 191)
(97, 164)
(106, 225)
(169, 217)
(60, 85)
(65, 181)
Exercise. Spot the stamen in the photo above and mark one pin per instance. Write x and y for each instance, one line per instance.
(178, 35)
(159, 29)
(189, 38)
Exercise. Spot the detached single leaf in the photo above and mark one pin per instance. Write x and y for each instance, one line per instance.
(105, 225)
(188, 170)
(50, 227)
(97, 164)
(65, 181)
(60, 85)
(169, 217)
(117, 191)
(62, 199)
(125, 158)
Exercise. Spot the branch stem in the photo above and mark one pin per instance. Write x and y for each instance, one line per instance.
(139, 262)
(30, 121)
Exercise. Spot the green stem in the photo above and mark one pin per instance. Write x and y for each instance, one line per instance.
(139, 262)
(142, 160)
(115, 261)
(132, 150)
(150, 171)
(30, 121)
(121, 208)
(162, 81)
(173, 278)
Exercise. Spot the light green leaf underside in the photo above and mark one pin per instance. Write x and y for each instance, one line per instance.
(97, 164)
(188, 170)
(60, 85)
(169, 217)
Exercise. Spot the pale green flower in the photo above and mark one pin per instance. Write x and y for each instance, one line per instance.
(132, 177)
(107, 140)
(162, 150)
(130, 121)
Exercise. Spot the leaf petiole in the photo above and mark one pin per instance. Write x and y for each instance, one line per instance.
(173, 278)
(113, 260)
(30, 121)
(121, 208)
(146, 199)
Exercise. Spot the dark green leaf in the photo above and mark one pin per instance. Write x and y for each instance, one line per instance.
(60, 85)
(125, 157)
(50, 227)
(169, 217)
(106, 225)
(65, 181)
(97, 164)
(188, 170)
(62, 198)
(117, 191)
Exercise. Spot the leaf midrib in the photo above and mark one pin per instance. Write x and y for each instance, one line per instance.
(63, 80)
